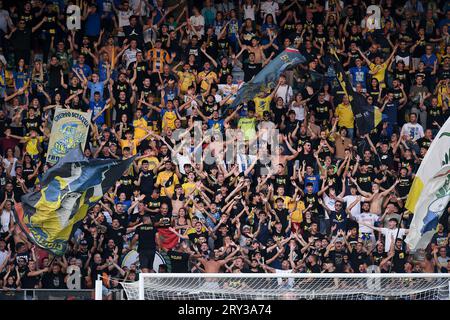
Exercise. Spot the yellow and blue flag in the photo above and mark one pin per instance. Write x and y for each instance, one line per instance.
(51, 215)
(268, 76)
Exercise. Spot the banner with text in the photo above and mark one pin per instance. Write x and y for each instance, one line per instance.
(69, 130)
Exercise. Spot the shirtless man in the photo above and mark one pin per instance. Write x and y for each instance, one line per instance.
(257, 49)
(375, 197)
(213, 264)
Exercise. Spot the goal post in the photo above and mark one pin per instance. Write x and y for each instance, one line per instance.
(289, 286)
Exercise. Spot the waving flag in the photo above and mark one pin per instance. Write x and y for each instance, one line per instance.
(70, 128)
(75, 184)
(268, 76)
(367, 117)
(430, 191)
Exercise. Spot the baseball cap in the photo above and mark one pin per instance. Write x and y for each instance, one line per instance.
(83, 242)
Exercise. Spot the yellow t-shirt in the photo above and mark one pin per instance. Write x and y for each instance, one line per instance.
(132, 144)
(286, 200)
(297, 214)
(187, 79)
(440, 94)
(153, 162)
(345, 114)
(209, 75)
(188, 187)
(261, 105)
(32, 145)
(378, 72)
(248, 127)
(169, 120)
(138, 132)
(169, 180)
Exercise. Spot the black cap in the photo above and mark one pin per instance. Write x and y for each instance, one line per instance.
(83, 242)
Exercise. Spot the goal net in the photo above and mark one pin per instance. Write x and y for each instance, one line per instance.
(288, 286)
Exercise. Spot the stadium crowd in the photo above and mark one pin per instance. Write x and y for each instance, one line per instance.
(332, 199)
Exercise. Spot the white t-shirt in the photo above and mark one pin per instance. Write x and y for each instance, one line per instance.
(281, 281)
(387, 236)
(415, 131)
(299, 111)
(5, 220)
(198, 21)
(329, 202)
(124, 18)
(7, 163)
(406, 60)
(249, 12)
(285, 92)
(182, 160)
(367, 218)
(270, 7)
(130, 55)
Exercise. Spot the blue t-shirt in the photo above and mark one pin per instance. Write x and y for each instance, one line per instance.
(96, 107)
(93, 25)
(87, 71)
(209, 222)
(20, 77)
(359, 75)
(428, 61)
(314, 179)
(233, 29)
(390, 111)
(102, 71)
(216, 124)
(94, 87)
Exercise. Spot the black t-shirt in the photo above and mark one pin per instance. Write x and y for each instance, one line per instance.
(357, 259)
(53, 281)
(322, 112)
(32, 124)
(377, 257)
(424, 143)
(193, 237)
(146, 233)
(338, 260)
(147, 182)
(126, 185)
(250, 70)
(134, 33)
(29, 282)
(403, 186)
(179, 261)
(399, 260)
(365, 180)
(116, 235)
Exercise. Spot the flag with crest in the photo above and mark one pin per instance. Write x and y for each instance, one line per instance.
(49, 216)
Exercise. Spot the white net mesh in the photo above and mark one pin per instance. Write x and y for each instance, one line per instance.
(289, 287)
